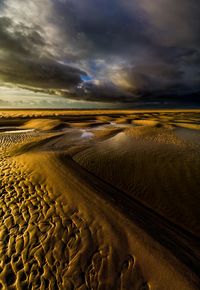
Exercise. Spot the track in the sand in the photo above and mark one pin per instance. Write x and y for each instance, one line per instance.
(183, 244)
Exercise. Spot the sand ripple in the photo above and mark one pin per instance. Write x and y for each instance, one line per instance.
(43, 246)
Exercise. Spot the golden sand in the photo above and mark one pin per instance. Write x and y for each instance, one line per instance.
(113, 205)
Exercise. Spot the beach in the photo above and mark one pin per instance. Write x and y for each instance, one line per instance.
(99, 200)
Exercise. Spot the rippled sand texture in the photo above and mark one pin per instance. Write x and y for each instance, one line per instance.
(69, 192)
(46, 245)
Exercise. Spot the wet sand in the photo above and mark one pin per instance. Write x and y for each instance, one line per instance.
(99, 200)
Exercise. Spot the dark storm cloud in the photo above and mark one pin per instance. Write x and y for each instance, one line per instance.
(173, 22)
(22, 62)
(102, 27)
(43, 73)
(18, 38)
(129, 48)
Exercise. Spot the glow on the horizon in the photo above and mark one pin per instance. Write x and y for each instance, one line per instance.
(21, 98)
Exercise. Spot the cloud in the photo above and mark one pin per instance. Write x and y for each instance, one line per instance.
(24, 60)
(128, 49)
(101, 91)
(19, 38)
(173, 22)
(42, 73)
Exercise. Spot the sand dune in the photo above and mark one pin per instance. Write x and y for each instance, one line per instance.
(44, 124)
(146, 122)
(154, 161)
(114, 209)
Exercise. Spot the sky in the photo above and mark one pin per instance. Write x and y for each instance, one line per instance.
(99, 53)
